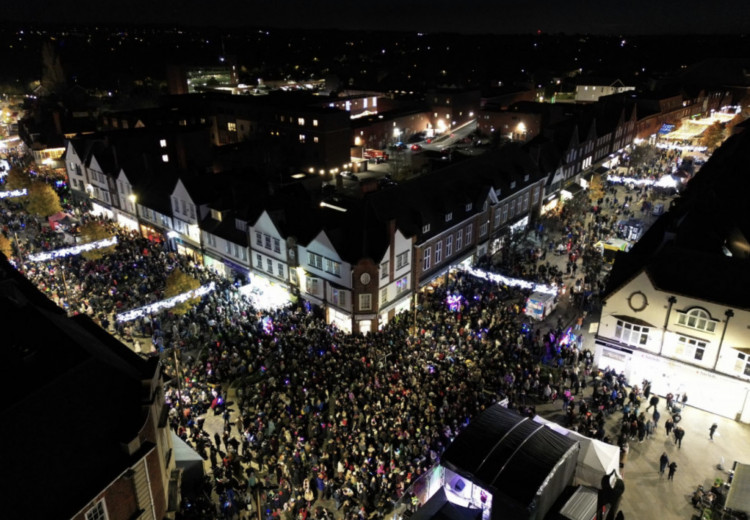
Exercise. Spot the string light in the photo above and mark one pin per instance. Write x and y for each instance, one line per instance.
(165, 304)
(14, 193)
(75, 250)
(511, 282)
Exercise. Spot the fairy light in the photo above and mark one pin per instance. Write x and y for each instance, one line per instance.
(165, 304)
(70, 251)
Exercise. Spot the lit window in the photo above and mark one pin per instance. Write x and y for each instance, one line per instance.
(302, 138)
(163, 143)
(697, 319)
(402, 260)
(631, 334)
(165, 158)
(427, 259)
(402, 285)
(232, 126)
(315, 139)
(301, 121)
(742, 365)
(315, 122)
(690, 347)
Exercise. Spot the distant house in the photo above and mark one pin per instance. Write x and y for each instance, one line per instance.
(589, 90)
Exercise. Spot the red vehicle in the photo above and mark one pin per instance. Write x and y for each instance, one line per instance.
(377, 155)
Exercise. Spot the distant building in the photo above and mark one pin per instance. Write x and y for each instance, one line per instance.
(589, 90)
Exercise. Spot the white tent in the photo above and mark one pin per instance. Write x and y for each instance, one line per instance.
(595, 459)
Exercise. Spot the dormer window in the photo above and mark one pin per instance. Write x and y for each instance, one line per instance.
(469, 206)
(513, 185)
(697, 318)
(216, 214)
(448, 217)
(426, 228)
(526, 178)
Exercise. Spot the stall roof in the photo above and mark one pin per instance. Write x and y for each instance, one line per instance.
(738, 498)
(506, 453)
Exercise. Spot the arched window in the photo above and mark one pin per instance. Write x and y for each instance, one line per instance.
(697, 318)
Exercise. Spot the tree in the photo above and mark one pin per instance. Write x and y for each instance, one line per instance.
(43, 200)
(18, 179)
(712, 136)
(177, 283)
(92, 231)
(643, 154)
(596, 189)
(5, 246)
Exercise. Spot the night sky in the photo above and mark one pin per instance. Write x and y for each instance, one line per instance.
(463, 16)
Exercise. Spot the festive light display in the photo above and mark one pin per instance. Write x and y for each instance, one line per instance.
(165, 304)
(511, 282)
(454, 301)
(69, 251)
(14, 193)
(629, 180)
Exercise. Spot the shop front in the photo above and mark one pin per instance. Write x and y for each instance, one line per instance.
(127, 221)
(390, 311)
(612, 357)
(101, 211)
(706, 390)
(185, 248)
(236, 272)
(365, 323)
(342, 320)
(550, 203)
(151, 233)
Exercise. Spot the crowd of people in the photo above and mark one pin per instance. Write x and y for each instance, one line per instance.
(348, 421)
(319, 422)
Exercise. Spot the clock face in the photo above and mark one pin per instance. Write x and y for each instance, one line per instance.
(365, 278)
(637, 301)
